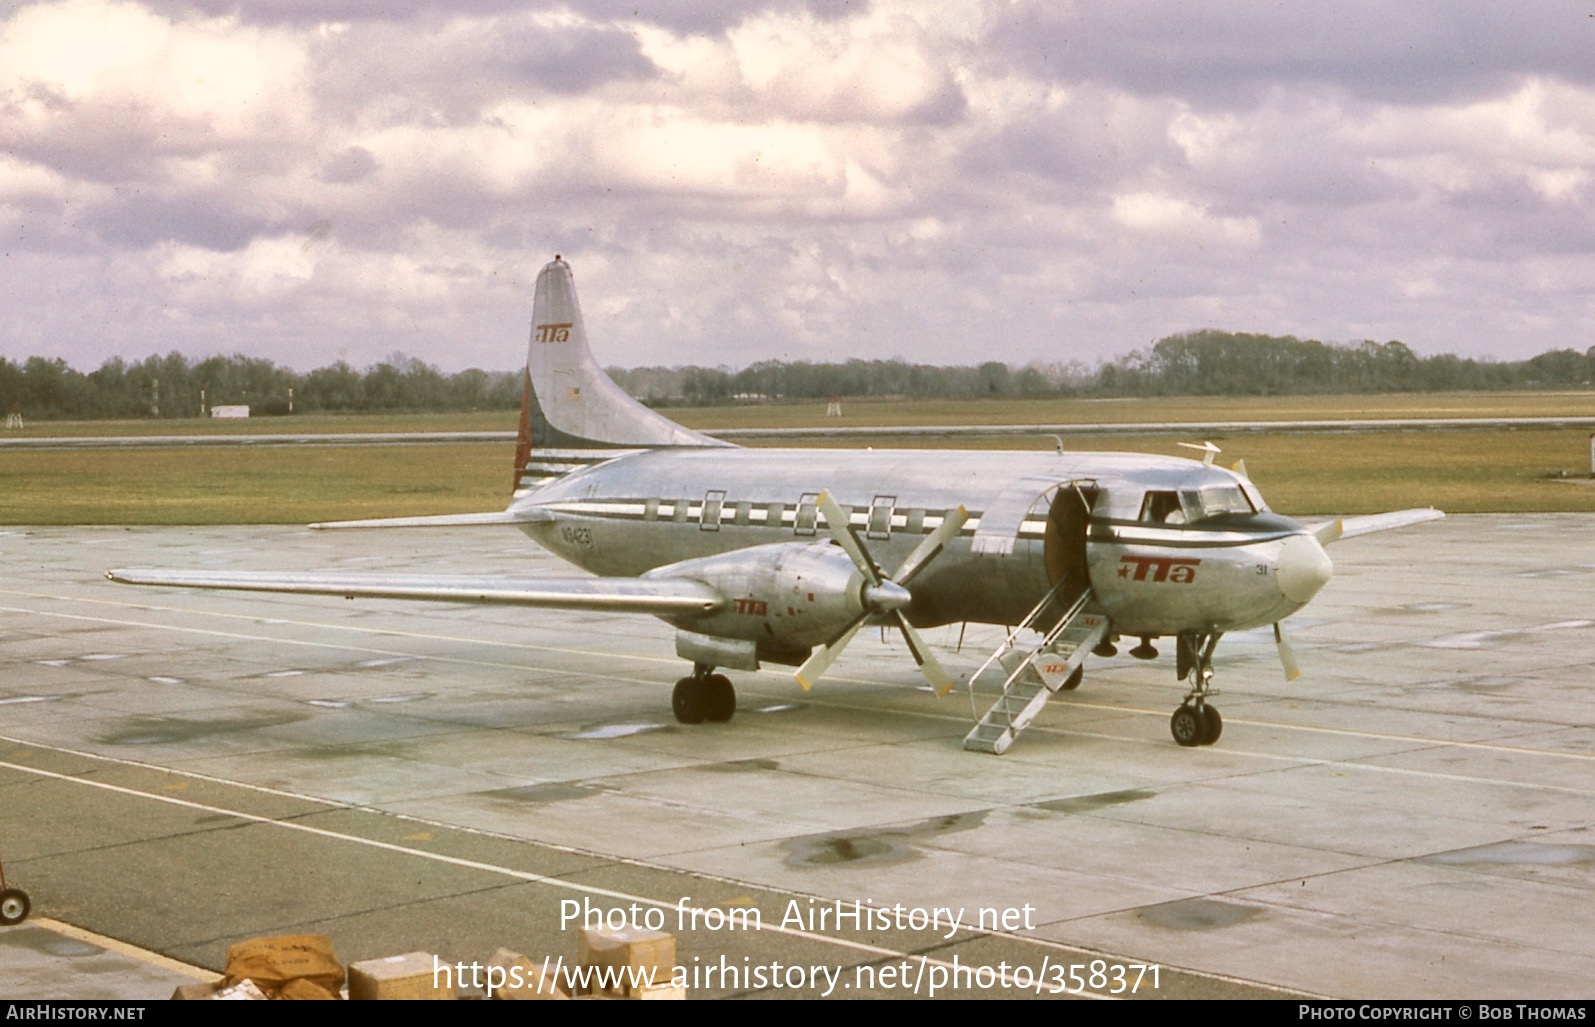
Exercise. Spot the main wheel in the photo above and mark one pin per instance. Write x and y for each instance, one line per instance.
(14, 906)
(720, 698)
(689, 701)
(1188, 725)
(1074, 680)
(1215, 725)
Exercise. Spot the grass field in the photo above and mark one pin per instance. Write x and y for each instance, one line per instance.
(1464, 471)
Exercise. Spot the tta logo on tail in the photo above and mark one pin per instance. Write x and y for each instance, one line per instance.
(553, 332)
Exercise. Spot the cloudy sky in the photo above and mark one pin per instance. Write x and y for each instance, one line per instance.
(946, 181)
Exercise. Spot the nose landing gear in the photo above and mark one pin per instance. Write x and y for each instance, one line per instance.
(704, 696)
(1196, 722)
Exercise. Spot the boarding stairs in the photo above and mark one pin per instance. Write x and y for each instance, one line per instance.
(1036, 672)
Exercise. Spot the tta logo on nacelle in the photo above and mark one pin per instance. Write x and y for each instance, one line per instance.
(553, 332)
(1158, 568)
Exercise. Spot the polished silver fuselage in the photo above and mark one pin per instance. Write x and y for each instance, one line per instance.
(643, 510)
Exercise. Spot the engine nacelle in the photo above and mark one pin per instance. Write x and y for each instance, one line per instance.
(786, 598)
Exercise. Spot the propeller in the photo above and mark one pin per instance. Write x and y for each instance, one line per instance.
(882, 596)
(1287, 655)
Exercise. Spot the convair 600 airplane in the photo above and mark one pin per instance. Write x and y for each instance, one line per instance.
(780, 556)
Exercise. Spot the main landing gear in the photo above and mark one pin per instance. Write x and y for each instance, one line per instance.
(704, 696)
(1196, 722)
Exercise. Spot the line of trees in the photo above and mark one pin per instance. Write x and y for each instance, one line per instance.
(175, 386)
(1195, 363)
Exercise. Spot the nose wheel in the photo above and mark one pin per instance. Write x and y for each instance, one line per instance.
(1197, 722)
(704, 696)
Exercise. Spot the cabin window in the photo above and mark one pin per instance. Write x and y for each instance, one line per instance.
(772, 516)
(709, 519)
(650, 510)
(879, 525)
(807, 513)
(743, 511)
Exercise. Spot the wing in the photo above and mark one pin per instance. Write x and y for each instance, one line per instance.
(530, 515)
(1351, 527)
(658, 596)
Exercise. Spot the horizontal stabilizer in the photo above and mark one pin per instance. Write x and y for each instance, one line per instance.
(528, 516)
(1351, 527)
(657, 596)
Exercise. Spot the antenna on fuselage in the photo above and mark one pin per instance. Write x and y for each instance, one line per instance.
(1208, 449)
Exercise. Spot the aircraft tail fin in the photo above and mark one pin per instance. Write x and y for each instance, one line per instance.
(572, 413)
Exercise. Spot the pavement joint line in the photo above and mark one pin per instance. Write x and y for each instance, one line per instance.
(339, 627)
(391, 632)
(344, 646)
(123, 948)
(880, 952)
(1344, 732)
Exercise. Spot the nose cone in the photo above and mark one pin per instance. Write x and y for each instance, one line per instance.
(1303, 568)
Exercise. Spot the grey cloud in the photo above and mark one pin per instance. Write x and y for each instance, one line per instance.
(702, 17)
(136, 220)
(1232, 52)
(348, 166)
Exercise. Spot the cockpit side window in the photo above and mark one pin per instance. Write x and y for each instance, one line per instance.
(1162, 508)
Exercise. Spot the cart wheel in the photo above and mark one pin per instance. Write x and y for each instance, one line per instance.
(14, 906)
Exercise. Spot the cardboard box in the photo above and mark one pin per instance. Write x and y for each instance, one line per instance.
(522, 978)
(632, 951)
(273, 962)
(414, 975)
(302, 988)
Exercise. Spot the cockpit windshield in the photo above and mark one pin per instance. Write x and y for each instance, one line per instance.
(1222, 499)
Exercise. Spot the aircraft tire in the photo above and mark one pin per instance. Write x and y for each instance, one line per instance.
(1074, 680)
(14, 906)
(688, 701)
(1188, 726)
(720, 698)
(1215, 724)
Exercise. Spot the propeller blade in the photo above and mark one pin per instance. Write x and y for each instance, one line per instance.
(840, 526)
(1330, 532)
(932, 545)
(1287, 655)
(940, 681)
(1240, 469)
(822, 658)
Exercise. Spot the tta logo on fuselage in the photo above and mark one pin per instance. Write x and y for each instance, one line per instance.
(553, 332)
(1158, 568)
